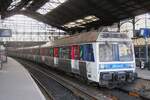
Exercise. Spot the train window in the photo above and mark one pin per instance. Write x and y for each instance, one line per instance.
(46, 52)
(37, 51)
(34, 51)
(27, 51)
(125, 52)
(30, 51)
(105, 52)
(75, 52)
(51, 52)
(41, 51)
(24, 51)
(115, 52)
(86, 52)
(60, 53)
(81, 52)
(56, 52)
(65, 52)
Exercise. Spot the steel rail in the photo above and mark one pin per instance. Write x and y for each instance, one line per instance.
(76, 90)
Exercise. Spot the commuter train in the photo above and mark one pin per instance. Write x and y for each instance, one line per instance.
(106, 58)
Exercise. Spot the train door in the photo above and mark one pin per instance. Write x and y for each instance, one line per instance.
(88, 57)
(56, 55)
(33, 54)
(42, 54)
(75, 54)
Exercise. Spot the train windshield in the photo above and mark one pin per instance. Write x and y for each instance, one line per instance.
(115, 51)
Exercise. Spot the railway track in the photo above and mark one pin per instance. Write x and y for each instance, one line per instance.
(54, 89)
(81, 90)
(140, 88)
(44, 90)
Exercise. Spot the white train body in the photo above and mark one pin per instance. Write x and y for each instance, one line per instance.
(106, 58)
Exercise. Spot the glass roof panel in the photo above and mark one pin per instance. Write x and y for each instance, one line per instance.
(24, 28)
(14, 4)
(81, 22)
(21, 23)
(50, 5)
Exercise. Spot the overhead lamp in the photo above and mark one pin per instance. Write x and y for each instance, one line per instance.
(50, 5)
(81, 26)
(92, 18)
(79, 20)
(89, 17)
(29, 3)
(71, 23)
(13, 4)
(83, 22)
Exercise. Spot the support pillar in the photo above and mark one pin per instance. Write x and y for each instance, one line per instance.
(133, 23)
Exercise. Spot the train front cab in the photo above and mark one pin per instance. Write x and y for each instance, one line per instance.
(115, 63)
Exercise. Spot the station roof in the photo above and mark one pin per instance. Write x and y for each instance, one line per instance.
(75, 15)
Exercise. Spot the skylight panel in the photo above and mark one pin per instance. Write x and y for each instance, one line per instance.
(50, 5)
(29, 3)
(81, 22)
(13, 4)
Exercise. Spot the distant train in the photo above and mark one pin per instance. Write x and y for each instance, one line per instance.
(106, 58)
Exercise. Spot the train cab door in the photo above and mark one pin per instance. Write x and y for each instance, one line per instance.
(56, 55)
(75, 54)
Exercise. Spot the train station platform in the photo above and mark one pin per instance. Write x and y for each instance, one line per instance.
(143, 73)
(17, 84)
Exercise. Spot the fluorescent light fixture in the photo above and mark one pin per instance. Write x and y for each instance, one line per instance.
(50, 5)
(29, 3)
(23, 8)
(89, 17)
(81, 22)
(13, 4)
(72, 23)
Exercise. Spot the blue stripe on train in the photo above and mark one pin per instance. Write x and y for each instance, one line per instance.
(115, 66)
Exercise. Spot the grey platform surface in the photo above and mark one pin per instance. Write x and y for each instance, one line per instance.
(17, 84)
(144, 74)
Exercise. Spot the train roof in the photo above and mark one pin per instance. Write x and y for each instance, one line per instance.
(28, 47)
(76, 39)
(86, 37)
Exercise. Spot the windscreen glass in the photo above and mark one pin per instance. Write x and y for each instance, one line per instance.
(112, 51)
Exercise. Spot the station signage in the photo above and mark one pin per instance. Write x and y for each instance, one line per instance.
(145, 32)
(5, 33)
